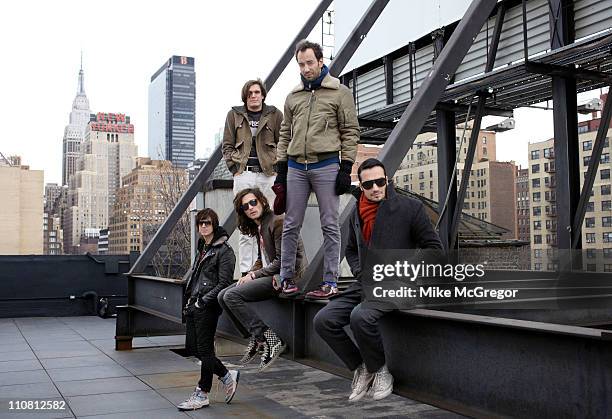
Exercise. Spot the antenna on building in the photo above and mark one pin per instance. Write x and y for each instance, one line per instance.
(328, 34)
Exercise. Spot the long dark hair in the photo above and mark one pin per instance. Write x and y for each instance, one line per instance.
(247, 226)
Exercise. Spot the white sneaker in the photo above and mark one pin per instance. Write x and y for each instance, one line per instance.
(197, 400)
(382, 385)
(231, 385)
(361, 383)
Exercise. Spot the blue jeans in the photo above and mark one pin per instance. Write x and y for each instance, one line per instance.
(300, 183)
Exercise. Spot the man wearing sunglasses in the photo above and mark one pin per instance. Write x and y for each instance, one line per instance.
(316, 151)
(381, 220)
(256, 219)
(249, 149)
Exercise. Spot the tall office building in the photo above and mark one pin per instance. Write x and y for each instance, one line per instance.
(108, 154)
(75, 130)
(172, 112)
(522, 204)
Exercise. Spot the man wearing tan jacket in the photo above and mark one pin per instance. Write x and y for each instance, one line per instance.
(316, 152)
(249, 148)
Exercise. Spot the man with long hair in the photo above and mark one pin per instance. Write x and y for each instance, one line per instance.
(261, 282)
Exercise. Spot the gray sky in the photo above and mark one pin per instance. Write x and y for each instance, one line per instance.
(125, 42)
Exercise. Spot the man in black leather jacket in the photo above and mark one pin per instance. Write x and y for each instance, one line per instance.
(212, 271)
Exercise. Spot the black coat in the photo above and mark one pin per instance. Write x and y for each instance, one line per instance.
(400, 223)
(213, 270)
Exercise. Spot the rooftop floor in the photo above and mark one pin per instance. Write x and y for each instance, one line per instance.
(72, 359)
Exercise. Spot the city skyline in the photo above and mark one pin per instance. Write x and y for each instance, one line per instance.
(118, 64)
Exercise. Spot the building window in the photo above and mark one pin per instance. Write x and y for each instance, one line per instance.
(606, 205)
(586, 160)
(605, 189)
(537, 196)
(589, 222)
(605, 158)
(591, 267)
(607, 237)
(537, 225)
(537, 253)
(537, 211)
(587, 145)
(607, 253)
(606, 221)
(590, 237)
(535, 154)
(607, 267)
(535, 168)
(535, 183)
(604, 174)
(590, 206)
(590, 253)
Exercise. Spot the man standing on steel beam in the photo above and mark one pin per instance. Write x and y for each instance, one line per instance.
(249, 148)
(381, 220)
(316, 152)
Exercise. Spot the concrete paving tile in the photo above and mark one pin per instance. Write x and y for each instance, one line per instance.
(101, 386)
(87, 373)
(77, 361)
(67, 349)
(24, 365)
(170, 413)
(161, 368)
(131, 401)
(23, 377)
(17, 355)
(168, 340)
(29, 391)
(14, 347)
(173, 379)
(38, 340)
(12, 338)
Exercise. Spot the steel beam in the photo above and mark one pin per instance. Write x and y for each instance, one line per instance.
(571, 72)
(205, 172)
(357, 36)
(488, 110)
(447, 186)
(467, 167)
(565, 120)
(591, 173)
(499, 22)
(388, 63)
(303, 33)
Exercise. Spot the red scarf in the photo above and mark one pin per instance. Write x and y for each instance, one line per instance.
(367, 213)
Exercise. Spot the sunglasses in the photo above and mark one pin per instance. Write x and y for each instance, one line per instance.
(205, 223)
(252, 202)
(369, 184)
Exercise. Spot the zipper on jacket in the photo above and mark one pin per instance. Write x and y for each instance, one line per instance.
(312, 93)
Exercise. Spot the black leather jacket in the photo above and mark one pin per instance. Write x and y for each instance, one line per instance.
(212, 271)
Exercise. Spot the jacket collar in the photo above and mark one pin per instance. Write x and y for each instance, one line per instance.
(329, 82)
(265, 110)
(219, 238)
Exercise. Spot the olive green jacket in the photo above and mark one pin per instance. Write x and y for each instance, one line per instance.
(237, 138)
(319, 124)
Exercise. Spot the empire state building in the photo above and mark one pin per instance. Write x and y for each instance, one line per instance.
(75, 131)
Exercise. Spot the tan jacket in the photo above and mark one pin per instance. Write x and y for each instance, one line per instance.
(237, 138)
(319, 124)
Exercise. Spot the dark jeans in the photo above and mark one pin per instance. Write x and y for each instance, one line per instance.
(347, 309)
(234, 301)
(201, 328)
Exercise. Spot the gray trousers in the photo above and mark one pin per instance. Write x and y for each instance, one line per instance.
(234, 301)
(347, 309)
(299, 185)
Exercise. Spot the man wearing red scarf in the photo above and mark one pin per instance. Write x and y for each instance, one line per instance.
(382, 220)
